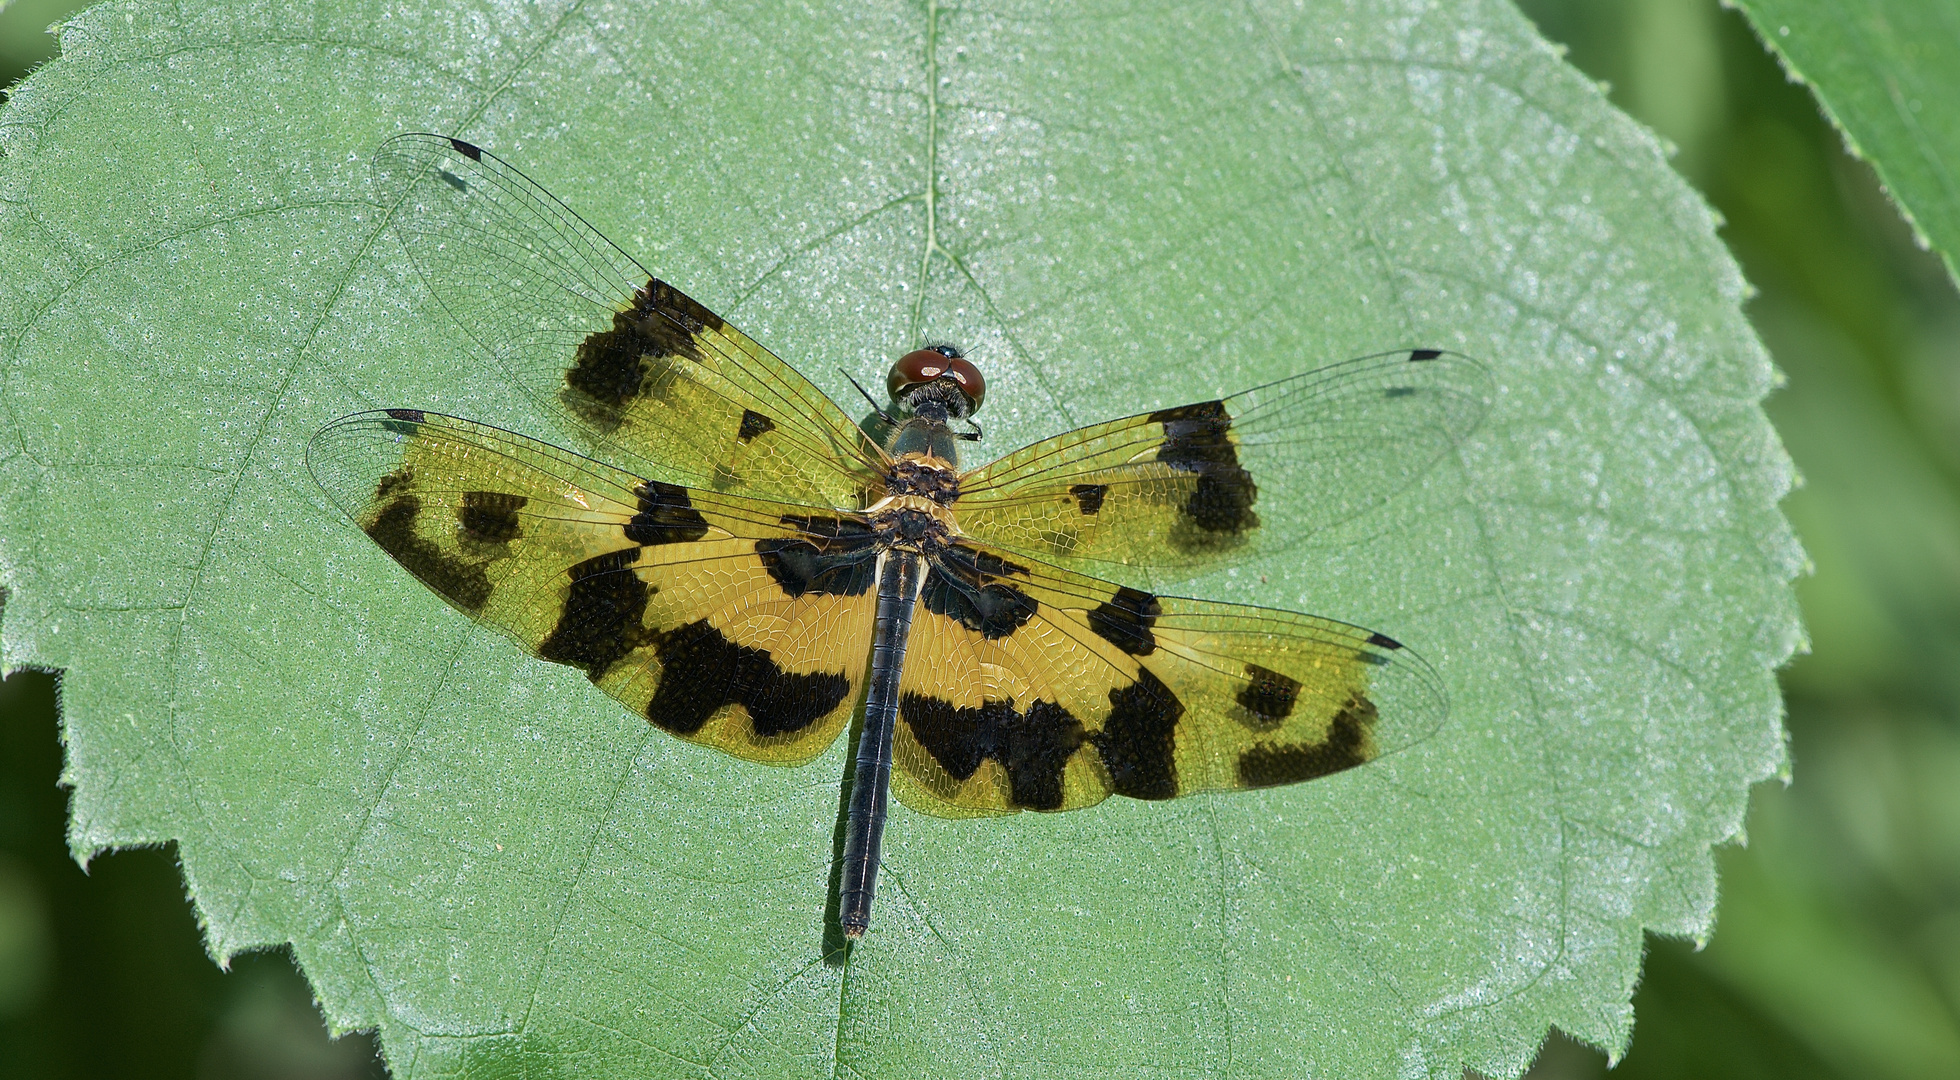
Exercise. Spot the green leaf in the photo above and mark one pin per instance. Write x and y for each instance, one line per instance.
(502, 870)
(1887, 73)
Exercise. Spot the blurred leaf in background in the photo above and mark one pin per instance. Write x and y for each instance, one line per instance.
(102, 973)
(1837, 946)
(1887, 72)
(24, 38)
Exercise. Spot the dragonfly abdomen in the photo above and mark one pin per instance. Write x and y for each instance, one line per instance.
(900, 573)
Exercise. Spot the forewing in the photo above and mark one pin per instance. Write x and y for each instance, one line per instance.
(1033, 688)
(1181, 487)
(646, 372)
(731, 622)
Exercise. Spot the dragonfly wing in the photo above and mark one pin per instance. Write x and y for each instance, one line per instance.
(728, 621)
(1034, 688)
(643, 370)
(1182, 487)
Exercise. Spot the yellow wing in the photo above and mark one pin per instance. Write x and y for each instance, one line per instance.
(736, 623)
(1032, 688)
(1180, 487)
(643, 370)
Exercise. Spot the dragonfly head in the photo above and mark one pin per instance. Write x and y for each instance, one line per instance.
(937, 379)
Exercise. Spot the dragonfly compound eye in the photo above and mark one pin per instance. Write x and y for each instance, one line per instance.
(938, 362)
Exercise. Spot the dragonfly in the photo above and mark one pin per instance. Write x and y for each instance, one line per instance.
(739, 561)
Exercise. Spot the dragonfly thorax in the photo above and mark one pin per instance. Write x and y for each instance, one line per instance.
(924, 475)
(913, 523)
(925, 438)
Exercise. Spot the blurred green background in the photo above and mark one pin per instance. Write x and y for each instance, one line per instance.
(1837, 950)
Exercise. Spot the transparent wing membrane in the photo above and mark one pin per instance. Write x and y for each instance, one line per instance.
(641, 369)
(1187, 486)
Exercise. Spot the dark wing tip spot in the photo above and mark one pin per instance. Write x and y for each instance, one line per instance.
(462, 582)
(1383, 641)
(1424, 354)
(1346, 745)
(468, 150)
(413, 416)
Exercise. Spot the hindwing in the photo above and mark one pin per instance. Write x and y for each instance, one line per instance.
(1032, 688)
(732, 622)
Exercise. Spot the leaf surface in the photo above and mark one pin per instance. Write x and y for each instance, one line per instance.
(1115, 208)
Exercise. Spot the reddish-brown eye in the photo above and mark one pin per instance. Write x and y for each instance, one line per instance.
(943, 362)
